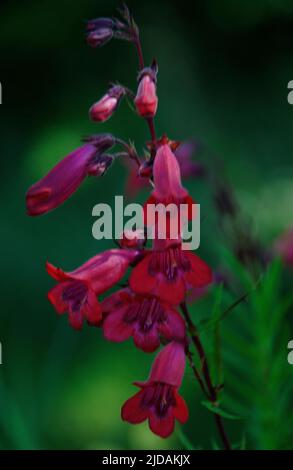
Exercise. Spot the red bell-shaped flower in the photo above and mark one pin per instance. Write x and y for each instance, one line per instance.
(158, 401)
(168, 274)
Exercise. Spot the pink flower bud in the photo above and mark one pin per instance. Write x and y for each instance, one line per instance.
(107, 105)
(146, 99)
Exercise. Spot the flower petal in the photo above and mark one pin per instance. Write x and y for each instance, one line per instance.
(172, 291)
(55, 297)
(91, 309)
(133, 411)
(162, 426)
(174, 326)
(200, 274)
(169, 365)
(148, 341)
(180, 410)
(56, 273)
(115, 328)
(140, 280)
(115, 300)
(75, 319)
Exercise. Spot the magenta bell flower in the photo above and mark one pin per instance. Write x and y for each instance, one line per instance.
(64, 179)
(169, 273)
(158, 401)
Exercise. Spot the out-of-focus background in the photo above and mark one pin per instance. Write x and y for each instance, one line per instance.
(224, 67)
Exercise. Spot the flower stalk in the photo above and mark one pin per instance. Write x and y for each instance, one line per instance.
(146, 306)
(212, 393)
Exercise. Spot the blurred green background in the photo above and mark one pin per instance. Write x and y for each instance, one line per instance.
(224, 67)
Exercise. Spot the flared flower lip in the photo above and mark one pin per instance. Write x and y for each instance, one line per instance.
(143, 281)
(145, 318)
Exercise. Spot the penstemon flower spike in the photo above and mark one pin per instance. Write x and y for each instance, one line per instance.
(146, 307)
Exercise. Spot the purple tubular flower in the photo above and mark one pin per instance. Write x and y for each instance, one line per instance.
(64, 179)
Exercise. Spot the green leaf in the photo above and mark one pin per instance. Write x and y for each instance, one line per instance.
(208, 323)
(237, 268)
(215, 409)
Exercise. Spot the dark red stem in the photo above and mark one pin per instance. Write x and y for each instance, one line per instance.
(213, 393)
(139, 51)
(197, 374)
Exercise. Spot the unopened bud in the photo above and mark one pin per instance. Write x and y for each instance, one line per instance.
(107, 105)
(100, 31)
(146, 99)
